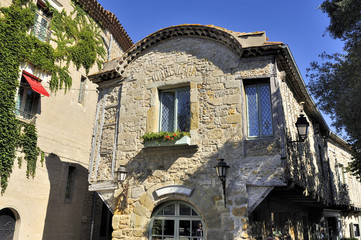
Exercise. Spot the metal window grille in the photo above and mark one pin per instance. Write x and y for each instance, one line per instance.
(175, 110)
(259, 110)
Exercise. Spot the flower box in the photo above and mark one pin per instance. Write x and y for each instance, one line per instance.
(185, 140)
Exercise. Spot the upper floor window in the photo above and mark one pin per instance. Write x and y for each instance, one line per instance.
(259, 110)
(29, 95)
(41, 25)
(342, 173)
(175, 110)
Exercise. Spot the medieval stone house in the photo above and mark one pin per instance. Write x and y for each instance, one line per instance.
(56, 203)
(238, 96)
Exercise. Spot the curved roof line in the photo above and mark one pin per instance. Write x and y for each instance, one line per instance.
(116, 67)
(107, 20)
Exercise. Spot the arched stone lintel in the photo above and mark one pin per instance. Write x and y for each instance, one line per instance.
(193, 30)
(200, 199)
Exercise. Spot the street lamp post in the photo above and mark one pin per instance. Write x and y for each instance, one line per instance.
(221, 169)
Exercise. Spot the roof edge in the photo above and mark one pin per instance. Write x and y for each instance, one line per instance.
(108, 21)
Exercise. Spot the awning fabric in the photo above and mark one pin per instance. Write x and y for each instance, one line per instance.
(35, 83)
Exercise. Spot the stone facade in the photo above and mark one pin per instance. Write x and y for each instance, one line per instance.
(215, 65)
(40, 205)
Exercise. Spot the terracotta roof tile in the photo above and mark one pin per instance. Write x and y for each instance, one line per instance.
(108, 21)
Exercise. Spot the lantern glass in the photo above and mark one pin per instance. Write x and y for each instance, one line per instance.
(121, 173)
(221, 168)
(302, 127)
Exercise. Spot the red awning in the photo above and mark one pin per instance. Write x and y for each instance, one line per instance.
(35, 83)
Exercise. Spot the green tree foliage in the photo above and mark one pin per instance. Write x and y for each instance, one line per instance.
(336, 80)
(77, 40)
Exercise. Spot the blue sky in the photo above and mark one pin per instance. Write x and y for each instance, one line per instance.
(296, 23)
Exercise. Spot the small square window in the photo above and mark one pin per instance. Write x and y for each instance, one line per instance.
(175, 110)
(259, 110)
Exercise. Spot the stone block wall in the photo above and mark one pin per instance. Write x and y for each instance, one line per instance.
(307, 163)
(214, 74)
(347, 189)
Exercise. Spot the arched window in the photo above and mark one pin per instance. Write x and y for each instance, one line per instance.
(7, 224)
(176, 220)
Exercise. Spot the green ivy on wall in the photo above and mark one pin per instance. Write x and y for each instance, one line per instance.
(77, 39)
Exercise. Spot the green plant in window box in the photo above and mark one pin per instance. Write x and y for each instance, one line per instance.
(164, 136)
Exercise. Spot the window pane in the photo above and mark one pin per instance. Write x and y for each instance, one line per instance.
(184, 228)
(184, 210)
(29, 101)
(167, 121)
(266, 113)
(184, 116)
(169, 227)
(194, 213)
(197, 229)
(19, 100)
(169, 210)
(81, 90)
(252, 111)
(160, 212)
(157, 227)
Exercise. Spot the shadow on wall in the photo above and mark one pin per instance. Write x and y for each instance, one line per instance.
(312, 171)
(68, 190)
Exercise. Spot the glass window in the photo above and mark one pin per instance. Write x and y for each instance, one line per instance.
(27, 100)
(259, 110)
(356, 230)
(41, 26)
(182, 223)
(82, 90)
(175, 110)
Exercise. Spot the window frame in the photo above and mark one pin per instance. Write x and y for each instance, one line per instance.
(175, 109)
(36, 28)
(176, 217)
(82, 88)
(20, 109)
(356, 230)
(258, 83)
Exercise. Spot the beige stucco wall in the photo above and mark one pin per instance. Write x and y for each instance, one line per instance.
(64, 133)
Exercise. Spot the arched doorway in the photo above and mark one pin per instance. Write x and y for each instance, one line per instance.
(176, 220)
(7, 224)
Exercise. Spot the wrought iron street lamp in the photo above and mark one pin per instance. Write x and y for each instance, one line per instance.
(221, 169)
(302, 127)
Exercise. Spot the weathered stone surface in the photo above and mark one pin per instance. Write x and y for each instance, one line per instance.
(239, 211)
(215, 76)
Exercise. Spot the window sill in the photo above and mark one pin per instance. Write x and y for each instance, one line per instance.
(183, 141)
(26, 120)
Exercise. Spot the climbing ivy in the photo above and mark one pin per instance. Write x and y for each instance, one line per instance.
(28, 143)
(76, 40)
